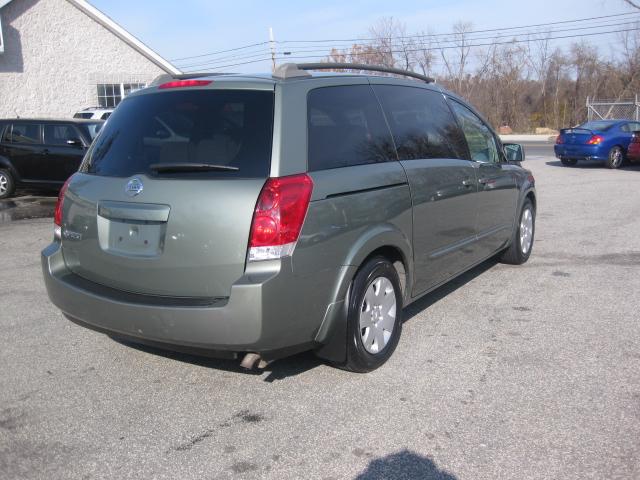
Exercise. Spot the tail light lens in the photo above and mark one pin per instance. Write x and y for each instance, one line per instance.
(278, 217)
(559, 140)
(595, 140)
(57, 215)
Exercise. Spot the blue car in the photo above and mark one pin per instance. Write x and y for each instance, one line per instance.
(605, 140)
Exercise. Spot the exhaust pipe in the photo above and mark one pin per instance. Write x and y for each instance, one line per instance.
(253, 360)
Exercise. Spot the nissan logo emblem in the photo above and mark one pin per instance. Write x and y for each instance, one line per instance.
(134, 187)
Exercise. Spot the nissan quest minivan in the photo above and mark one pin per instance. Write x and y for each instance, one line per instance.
(256, 216)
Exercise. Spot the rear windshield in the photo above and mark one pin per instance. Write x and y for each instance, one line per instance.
(230, 128)
(84, 115)
(599, 126)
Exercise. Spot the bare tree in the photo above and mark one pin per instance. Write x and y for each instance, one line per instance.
(455, 59)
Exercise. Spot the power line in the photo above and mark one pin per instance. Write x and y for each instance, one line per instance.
(470, 32)
(472, 39)
(440, 45)
(407, 36)
(220, 51)
(294, 57)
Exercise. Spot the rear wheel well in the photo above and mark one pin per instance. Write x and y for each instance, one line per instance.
(395, 256)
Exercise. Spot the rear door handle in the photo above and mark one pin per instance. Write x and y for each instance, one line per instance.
(45, 152)
(467, 182)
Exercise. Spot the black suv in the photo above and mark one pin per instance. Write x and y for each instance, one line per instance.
(42, 153)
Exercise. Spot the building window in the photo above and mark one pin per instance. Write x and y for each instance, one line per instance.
(111, 94)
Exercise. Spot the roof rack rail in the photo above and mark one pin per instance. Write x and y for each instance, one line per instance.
(290, 70)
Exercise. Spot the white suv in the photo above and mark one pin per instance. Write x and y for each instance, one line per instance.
(94, 113)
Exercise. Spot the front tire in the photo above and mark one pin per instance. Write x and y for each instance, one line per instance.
(374, 319)
(7, 184)
(616, 157)
(521, 245)
(569, 162)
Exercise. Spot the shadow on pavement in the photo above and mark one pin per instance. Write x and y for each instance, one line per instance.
(449, 287)
(27, 207)
(586, 164)
(278, 370)
(404, 465)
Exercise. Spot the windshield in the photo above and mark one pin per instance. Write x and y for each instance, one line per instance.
(217, 127)
(601, 126)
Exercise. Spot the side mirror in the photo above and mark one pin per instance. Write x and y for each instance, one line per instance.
(514, 152)
(75, 142)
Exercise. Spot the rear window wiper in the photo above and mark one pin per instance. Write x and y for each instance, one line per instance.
(191, 167)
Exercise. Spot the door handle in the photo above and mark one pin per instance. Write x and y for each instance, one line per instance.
(467, 182)
(45, 152)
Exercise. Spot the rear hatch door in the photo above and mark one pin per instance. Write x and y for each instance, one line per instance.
(164, 200)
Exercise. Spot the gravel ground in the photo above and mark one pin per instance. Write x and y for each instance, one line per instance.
(508, 372)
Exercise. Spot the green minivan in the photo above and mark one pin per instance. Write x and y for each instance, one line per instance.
(256, 216)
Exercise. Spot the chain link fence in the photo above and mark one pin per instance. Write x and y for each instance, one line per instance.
(608, 109)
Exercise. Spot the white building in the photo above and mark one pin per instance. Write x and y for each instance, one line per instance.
(59, 56)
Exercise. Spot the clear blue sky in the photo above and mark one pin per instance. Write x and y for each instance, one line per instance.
(193, 27)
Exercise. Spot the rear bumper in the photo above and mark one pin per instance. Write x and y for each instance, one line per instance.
(240, 323)
(581, 152)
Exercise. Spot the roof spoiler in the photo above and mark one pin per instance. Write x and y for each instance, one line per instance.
(293, 70)
(165, 77)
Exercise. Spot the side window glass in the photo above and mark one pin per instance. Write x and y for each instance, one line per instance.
(25, 133)
(633, 127)
(625, 127)
(346, 127)
(421, 123)
(59, 134)
(6, 136)
(480, 138)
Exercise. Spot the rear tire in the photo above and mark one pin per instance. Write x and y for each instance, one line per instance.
(7, 184)
(569, 162)
(374, 319)
(616, 157)
(522, 243)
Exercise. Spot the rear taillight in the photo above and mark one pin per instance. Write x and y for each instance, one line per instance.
(559, 140)
(278, 216)
(57, 214)
(595, 140)
(185, 84)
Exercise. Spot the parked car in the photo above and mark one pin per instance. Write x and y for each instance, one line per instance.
(605, 140)
(303, 212)
(94, 113)
(633, 152)
(42, 153)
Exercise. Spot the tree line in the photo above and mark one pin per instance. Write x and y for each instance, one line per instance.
(524, 83)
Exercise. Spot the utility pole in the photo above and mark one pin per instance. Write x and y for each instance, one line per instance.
(272, 46)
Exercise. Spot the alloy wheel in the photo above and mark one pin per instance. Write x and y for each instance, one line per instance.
(377, 315)
(526, 230)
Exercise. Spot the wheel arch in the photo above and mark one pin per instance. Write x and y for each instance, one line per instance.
(386, 241)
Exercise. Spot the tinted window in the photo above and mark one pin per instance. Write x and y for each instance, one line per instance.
(59, 134)
(630, 127)
(85, 115)
(346, 127)
(216, 127)
(601, 126)
(28, 133)
(480, 139)
(421, 122)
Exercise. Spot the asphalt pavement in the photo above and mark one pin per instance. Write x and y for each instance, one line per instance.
(529, 372)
